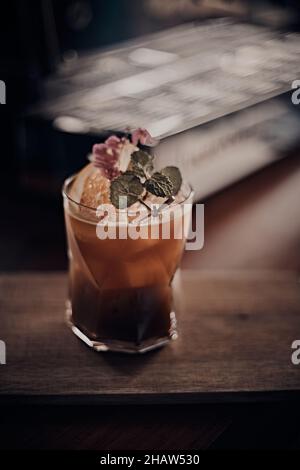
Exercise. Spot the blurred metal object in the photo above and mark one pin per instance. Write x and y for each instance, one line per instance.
(204, 89)
(222, 152)
(176, 80)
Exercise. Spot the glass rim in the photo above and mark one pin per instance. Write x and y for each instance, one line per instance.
(71, 178)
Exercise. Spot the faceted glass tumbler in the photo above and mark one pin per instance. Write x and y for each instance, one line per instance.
(120, 289)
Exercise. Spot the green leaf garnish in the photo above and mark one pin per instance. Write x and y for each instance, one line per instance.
(141, 164)
(126, 185)
(160, 185)
(127, 188)
(137, 170)
(141, 157)
(175, 176)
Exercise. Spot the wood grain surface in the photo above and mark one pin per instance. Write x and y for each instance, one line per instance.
(236, 331)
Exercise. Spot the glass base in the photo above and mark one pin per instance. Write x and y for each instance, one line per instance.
(123, 346)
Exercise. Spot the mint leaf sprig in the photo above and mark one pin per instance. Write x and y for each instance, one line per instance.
(125, 190)
(140, 179)
(141, 164)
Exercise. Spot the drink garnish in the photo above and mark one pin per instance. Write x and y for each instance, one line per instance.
(113, 157)
(173, 173)
(126, 185)
(131, 170)
(143, 137)
(142, 164)
(160, 185)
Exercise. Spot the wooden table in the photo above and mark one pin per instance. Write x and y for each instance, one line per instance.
(228, 324)
(252, 227)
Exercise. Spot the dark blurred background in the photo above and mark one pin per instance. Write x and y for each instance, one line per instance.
(45, 46)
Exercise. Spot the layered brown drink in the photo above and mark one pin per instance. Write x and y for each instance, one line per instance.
(126, 229)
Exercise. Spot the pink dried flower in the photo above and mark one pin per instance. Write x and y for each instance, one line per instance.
(114, 142)
(105, 157)
(113, 156)
(142, 135)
